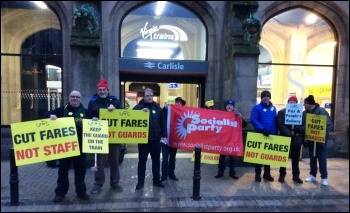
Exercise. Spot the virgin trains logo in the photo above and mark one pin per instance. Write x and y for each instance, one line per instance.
(160, 33)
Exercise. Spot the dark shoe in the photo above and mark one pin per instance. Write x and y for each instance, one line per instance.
(257, 178)
(58, 199)
(281, 179)
(163, 178)
(139, 186)
(268, 178)
(297, 180)
(84, 196)
(234, 176)
(159, 184)
(117, 187)
(96, 189)
(219, 175)
(173, 177)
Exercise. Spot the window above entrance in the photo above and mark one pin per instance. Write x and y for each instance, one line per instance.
(172, 33)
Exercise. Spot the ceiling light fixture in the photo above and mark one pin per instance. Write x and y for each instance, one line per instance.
(160, 8)
(40, 4)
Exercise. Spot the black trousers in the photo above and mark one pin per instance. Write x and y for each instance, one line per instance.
(153, 147)
(79, 175)
(295, 155)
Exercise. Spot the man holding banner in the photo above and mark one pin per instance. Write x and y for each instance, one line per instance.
(263, 118)
(103, 100)
(230, 107)
(293, 131)
(74, 109)
(317, 124)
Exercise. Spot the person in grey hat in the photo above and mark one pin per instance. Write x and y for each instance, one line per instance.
(317, 151)
(229, 106)
(263, 118)
(168, 152)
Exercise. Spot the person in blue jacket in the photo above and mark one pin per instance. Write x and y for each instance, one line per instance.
(263, 118)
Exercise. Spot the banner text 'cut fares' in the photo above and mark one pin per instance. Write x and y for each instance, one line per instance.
(272, 150)
(315, 128)
(43, 140)
(126, 126)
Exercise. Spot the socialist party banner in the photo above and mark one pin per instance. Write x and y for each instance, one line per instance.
(214, 131)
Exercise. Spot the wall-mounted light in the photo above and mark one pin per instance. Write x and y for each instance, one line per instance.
(40, 4)
(160, 8)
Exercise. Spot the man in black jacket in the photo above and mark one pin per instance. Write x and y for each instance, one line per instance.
(74, 109)
(230, 107)
(292, 131)
(102, 99)
(156, 133)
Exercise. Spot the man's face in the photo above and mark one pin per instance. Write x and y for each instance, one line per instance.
(229, 107)
(178, 103)
(266, 100)
(148, 97)
(75, 98)
(102, 92)
(308, 107)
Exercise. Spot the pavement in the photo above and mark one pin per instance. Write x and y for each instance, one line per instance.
(37, 184)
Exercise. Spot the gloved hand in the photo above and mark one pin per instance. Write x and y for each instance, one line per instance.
(297, 130)
(265, 132)
(305, 144)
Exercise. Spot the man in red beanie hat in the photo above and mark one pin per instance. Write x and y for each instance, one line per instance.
(102, 99)
(292, 131)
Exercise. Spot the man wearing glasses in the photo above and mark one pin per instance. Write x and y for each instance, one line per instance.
(102, 99)
(156, 133)
(74, 109)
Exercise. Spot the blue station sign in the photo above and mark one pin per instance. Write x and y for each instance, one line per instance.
(155, 66)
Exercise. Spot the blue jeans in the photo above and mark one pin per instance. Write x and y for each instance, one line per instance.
(169, 158)
(321, 156)
(153, 148)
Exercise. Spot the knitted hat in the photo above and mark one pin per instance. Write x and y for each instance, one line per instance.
(183, 102)
(103, 83)
(293, 98)
(230, 102)
(265, 93)
(310, 100)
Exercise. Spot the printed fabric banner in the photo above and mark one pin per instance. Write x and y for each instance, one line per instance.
(44, 140)
(315, 127)
(95, 136)
(126, 126)
(272, 150)
(214, 131)
(208, 158)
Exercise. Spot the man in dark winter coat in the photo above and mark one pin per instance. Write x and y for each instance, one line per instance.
(229, 106)
(292, 131)
(156, 133)
(168, 152)
(102, 99)
(317, 150)
(74, 109)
